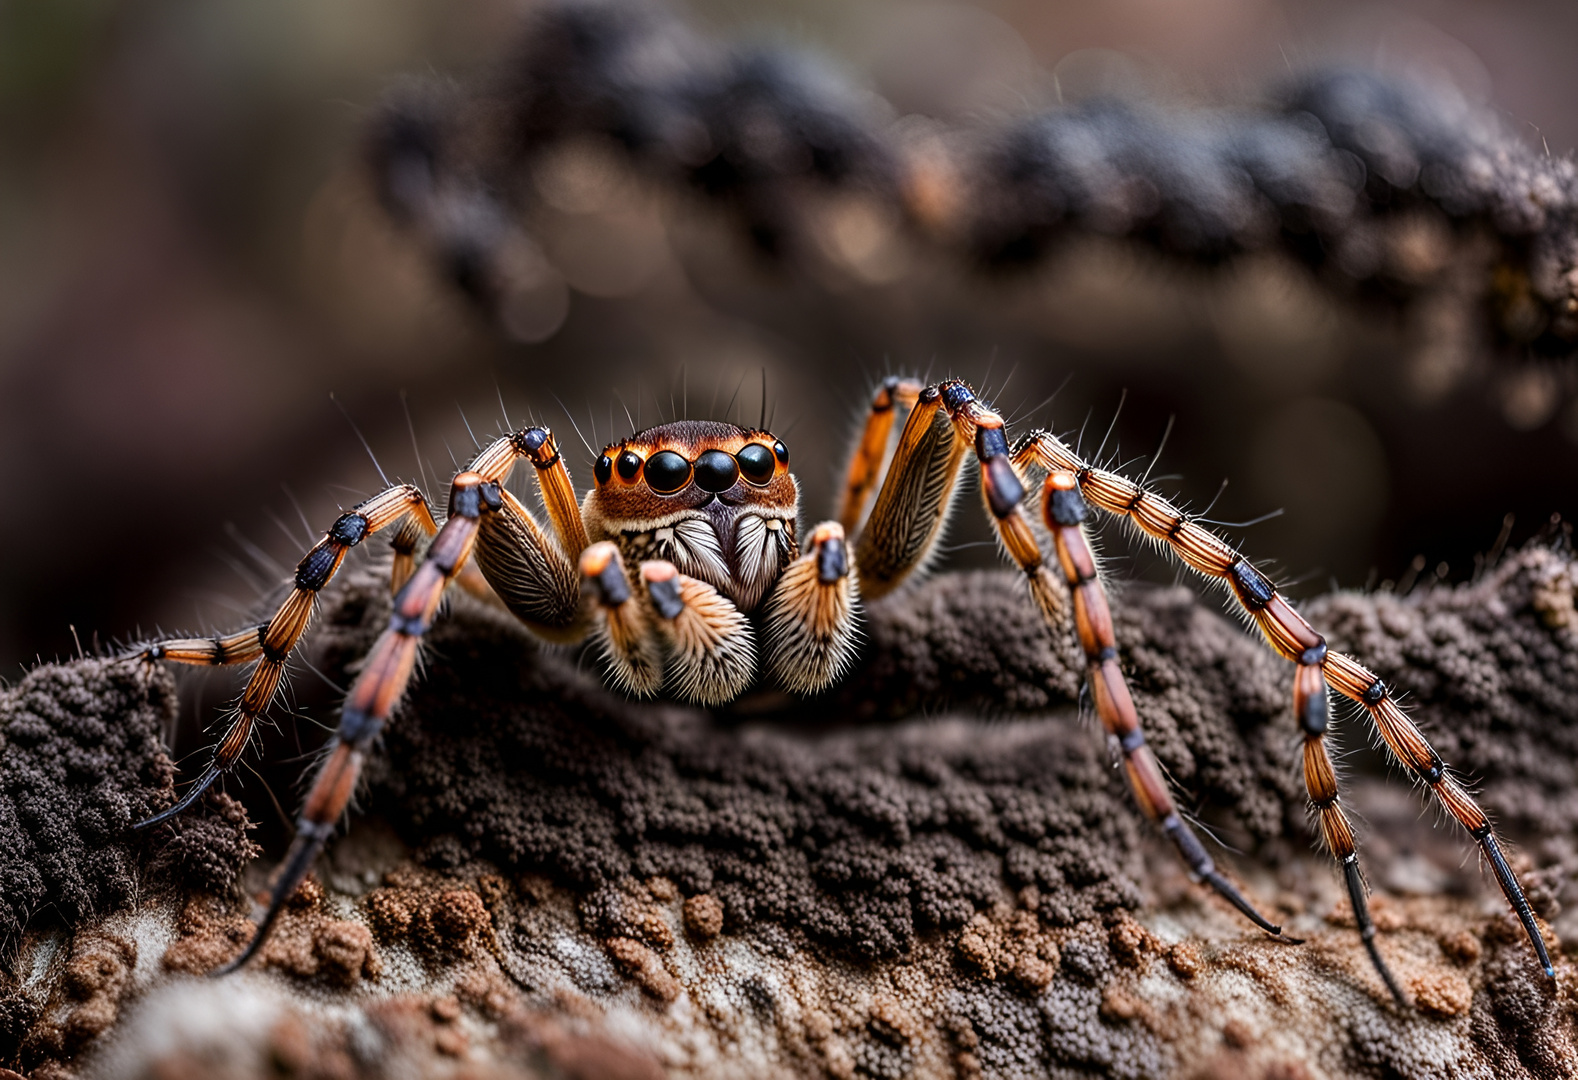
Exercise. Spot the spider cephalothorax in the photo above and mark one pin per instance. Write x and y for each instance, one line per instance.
(683, 563)
(715, 500)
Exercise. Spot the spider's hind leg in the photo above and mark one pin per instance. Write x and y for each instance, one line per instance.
(1003, 492)
(1064, 510)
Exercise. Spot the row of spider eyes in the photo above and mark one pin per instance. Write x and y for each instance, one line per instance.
(714, 470)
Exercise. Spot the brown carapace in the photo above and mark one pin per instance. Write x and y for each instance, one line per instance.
(685, 563)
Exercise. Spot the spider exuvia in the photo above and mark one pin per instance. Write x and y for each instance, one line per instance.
(685, 563)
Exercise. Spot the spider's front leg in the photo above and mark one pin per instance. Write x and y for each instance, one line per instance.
(711, 647)
(810, 620)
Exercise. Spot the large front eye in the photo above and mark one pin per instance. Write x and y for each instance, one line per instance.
(716, 471)
(628, 465)
(667, 472)
(756, 462)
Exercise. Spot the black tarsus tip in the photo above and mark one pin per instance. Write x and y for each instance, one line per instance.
(1514, 894)
(304, 851)
(1361, 916)
(193, 793)
(1230, 893)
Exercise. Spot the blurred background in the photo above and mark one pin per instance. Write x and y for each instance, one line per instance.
(191, 262)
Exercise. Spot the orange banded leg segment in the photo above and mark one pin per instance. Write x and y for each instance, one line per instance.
(378, 688)
(1293, 638)
(1408, 744)
(1003, 491)
(865, 467)
(906, 521)
(809, 620)
(271, 643)
(1312, 709)
(537, 445)
(1064, 511)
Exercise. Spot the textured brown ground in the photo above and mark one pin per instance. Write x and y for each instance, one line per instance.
(932, 871)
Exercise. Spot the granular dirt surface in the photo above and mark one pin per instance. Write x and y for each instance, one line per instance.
(933, 870)
(82, 760)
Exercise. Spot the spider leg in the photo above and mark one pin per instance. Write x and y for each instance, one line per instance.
(271, 643)
(906, 522)
(378, 688)
(809, 620)
(712, 650)
(865, 466)
(1311, 707)
(1003, 492)
(622, 622)
(1291, 637)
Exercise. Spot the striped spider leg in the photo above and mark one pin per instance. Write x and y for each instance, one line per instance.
(1071, 481)
(270, 643)
(947, 421)
(707, 513)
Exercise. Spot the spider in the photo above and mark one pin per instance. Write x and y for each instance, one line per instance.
(684, 563)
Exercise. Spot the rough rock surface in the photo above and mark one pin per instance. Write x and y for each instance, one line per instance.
(932, 871)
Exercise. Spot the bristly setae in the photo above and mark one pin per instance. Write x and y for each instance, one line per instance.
(684, 563)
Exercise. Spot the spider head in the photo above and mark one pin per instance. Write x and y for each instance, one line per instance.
(716, 500)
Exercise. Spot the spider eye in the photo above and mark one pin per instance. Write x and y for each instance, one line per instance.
(603, 469)
(716, 471)
(756, 462)
(667, 472)
(629, 464)
(781, 452)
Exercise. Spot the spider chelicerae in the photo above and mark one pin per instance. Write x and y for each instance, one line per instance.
(686, 565)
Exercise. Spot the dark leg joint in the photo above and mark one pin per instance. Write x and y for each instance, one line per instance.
(531, 440)
(956, 395)
(1315, 655)
(990, 443)
(312, 573)
(358, 728)
(610, 584)
(407, 625)
(1132, 740)
(1433, 773)
(1316, 716)
(1252, 587)
(1067, 506)
(1003, 489)
(348, 529)
(466, 501)
(1375, 693)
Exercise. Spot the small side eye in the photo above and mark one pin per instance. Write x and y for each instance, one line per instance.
(628, 465)
(603, 469)
(756, 463)
(781, 452)
(667, 472)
